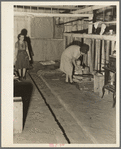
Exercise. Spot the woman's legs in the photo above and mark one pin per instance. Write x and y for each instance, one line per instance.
(19, 71)
(24, 72)
(67, 77)
(70, 77)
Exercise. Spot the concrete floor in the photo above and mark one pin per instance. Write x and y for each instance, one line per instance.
(40, 126)
(63, 114)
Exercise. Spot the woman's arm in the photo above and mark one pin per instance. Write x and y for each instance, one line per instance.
(74, 62)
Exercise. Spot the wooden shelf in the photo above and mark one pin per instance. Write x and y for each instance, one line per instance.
(92, 36)
(101, 22)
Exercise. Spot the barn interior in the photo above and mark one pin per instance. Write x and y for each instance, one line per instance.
(46, 109)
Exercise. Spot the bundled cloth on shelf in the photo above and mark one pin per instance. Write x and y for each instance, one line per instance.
(103, 27)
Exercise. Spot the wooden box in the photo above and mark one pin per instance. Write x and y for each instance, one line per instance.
(98, 84)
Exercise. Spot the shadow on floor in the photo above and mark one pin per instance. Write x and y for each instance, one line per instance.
(24, 89)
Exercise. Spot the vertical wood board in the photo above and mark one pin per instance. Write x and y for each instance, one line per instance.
(85, 57)
(54, 49)
(47, 49)
(112, 46)
(107, 50)
(38, 49)
(93, 54)
(103, 55)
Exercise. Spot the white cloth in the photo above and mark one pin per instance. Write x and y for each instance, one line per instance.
(103, 27)
(96, 25)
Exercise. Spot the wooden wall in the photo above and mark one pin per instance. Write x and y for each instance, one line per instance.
(46, 36)
(42, 27)
(45, 45)
(47, 49)
(19, 24)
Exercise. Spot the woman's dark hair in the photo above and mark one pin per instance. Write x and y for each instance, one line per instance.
(19, 35)
(24, 32)
(84, 48)
(75, 42)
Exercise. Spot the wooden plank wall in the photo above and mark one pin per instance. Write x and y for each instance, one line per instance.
(47, 49)
(42, 27)
(44, 46)
(19, 24)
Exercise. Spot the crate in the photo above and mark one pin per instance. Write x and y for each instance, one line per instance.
(98, 84)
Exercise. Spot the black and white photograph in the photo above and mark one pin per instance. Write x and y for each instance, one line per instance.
(60, 74)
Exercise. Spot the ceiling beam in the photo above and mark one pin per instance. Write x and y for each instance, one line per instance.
(87, 9)
(50, 14)
(75, 7)
(61, 7)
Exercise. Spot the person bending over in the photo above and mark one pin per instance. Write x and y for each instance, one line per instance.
(69, 57)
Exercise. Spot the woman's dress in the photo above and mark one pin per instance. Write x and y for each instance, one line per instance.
(22, 56)
(66, 64)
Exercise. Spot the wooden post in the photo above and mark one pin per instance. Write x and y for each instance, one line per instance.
(85, 57)
(29, 25)
(80, 25)
(90, 48)
(99, 63)
(103, 56)
(65, 27)
(90, 25)
(67, 40)
(95, 83)
(71, 39)
(90, 55)
(112, 46)
(107, 51)
(93, 54)
(64, 42)
(97, 57)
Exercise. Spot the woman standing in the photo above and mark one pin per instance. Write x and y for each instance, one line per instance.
(28, 40)
(69, 57)
(21, 56)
